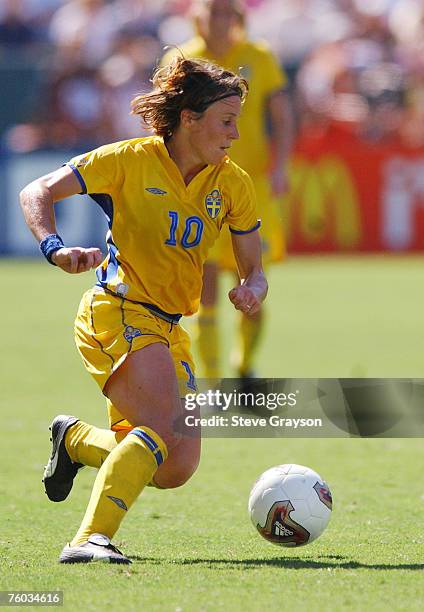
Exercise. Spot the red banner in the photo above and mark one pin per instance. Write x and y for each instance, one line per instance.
(350, 195)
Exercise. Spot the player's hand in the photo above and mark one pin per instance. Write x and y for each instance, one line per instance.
(77, 259)
(245, 299)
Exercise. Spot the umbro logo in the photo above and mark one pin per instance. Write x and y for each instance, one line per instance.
(118, 501)
(156, 190)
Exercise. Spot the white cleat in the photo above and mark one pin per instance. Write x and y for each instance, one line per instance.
(98, 548)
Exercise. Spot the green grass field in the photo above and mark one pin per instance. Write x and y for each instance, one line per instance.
(194, 548)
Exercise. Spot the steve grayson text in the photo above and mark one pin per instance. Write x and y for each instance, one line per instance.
(238, 420)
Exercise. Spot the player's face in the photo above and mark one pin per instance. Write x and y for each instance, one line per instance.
(213, 133)
(220, 17)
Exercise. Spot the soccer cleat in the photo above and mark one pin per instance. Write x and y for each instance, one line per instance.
(60, 470)
(98, 548)
(247, 383)
(249, 386)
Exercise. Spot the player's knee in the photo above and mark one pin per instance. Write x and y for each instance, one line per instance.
(171, 439)
(178, 476)
(178, 479)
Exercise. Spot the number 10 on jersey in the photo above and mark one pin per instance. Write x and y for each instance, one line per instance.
(193, 230)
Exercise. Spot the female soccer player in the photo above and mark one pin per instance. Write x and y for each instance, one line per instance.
(166, 198)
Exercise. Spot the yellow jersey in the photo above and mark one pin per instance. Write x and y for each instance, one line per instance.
(256, 63)
(160, 229)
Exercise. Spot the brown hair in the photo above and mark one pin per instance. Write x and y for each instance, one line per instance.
(192, 84)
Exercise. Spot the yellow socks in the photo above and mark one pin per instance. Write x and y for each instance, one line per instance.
(91, 445)
(250, 333)
(208, 341)
(122, 477)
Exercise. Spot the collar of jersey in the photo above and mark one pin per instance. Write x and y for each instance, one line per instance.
(172, 168)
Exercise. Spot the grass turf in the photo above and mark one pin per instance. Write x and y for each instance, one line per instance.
(194, 548)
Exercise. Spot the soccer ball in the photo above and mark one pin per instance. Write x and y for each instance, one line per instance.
(290, 505)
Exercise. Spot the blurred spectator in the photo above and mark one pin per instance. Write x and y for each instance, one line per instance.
(22, 67)
(82, 31)
(295, 28)
(15, 31)
(127, 72)
(354, 64)
(359, 82)
(34, 9)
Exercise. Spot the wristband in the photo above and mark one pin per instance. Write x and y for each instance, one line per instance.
(51, 244)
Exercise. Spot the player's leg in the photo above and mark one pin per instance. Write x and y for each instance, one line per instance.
(106, 330)
(87, 445)
(207, 322)
(90, 445)
(250, 334)
(145, 391)
(82, 444)
(75, 444)
(124, 347)
(182, 462)
(183, 459)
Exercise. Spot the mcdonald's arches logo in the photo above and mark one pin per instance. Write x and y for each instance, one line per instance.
(323, 206)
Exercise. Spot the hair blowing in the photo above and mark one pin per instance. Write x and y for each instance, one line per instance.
(185, 84)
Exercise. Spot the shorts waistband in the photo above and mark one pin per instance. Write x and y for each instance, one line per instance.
(166, 316)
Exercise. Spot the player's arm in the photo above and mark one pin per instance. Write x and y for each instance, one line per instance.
(249, 295)
(281, 137)
(37, 201)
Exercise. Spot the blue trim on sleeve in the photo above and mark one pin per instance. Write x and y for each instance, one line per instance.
(79, 177)
(240, 232)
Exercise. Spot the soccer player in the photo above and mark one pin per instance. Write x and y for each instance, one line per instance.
(166, 198)
(265, 137)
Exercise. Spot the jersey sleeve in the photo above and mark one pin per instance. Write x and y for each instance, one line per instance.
(242, 215)
(98, 171)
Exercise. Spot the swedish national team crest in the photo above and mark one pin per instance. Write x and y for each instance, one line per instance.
(213, 203)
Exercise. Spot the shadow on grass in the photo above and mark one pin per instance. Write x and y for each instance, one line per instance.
(323, 562)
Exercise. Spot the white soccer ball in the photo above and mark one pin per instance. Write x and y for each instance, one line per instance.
(290, 505)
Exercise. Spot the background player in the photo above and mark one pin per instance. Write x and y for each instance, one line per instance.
(156, 193)
(266, 130)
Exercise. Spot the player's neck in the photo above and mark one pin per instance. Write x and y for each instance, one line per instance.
(184, 159)
(218, 48)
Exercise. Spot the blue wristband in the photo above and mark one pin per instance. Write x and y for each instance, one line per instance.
(51, 244)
